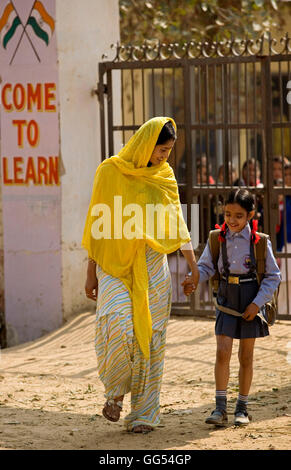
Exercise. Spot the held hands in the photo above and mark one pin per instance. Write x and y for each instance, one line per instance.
(250, 312)
(91, 287)
(190, 282)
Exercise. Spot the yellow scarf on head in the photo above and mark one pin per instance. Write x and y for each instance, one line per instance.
(125, 185)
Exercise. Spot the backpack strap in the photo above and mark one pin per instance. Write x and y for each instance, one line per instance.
(260, 251)
(214, 245)
(261, 255)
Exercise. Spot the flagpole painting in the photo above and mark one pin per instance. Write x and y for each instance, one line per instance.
(40, 21)
(9, 23)
(31, 189)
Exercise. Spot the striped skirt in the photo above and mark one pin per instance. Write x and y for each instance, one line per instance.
(121, 365)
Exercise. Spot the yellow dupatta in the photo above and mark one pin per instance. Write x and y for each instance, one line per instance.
(124, 183)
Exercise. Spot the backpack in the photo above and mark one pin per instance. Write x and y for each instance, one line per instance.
(260, 251)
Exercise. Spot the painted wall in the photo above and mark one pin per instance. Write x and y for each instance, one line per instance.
(85, 31)
(41, 225)
(31, 190)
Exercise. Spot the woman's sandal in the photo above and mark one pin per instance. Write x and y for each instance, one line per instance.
(142, 428)
(112, 409)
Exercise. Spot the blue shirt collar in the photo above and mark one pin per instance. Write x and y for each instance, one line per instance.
(245, 233)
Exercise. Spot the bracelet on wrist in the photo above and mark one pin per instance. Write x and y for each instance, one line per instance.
(91, 261)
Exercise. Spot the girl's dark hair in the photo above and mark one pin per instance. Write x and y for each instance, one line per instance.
(242, 197)
(167, 133)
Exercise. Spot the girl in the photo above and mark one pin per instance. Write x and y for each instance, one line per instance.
(251, 173)
(131, 273)
(238, 290)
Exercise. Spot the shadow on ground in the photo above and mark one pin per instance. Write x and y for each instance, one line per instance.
(181, 428)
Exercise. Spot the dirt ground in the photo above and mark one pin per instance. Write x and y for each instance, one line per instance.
(51, 396)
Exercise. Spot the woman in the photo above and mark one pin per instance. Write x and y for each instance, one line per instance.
(133, 278)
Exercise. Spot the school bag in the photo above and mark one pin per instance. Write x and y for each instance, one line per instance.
(260, 252)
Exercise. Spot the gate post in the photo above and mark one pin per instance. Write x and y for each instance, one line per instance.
(188, 150)
(188, 138)
(101, 90)
(271, 205)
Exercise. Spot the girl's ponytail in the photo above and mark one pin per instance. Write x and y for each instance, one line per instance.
(222, 234)
(254, 228)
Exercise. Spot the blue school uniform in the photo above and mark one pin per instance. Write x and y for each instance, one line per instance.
(240, 262)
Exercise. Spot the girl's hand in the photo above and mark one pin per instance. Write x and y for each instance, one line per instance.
(250, 312)
(189, 285)
(91, 287)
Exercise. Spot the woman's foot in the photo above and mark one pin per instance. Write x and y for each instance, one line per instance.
(112, 409)
(142, 428)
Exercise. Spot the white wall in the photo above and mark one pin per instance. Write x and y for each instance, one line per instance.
(85, 30)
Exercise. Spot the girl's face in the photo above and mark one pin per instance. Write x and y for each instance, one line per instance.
(277, 170)
(251, 174)
(236, 217)
(161, 152)
(202, 172)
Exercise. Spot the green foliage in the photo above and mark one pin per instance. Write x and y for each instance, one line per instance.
(177, 21)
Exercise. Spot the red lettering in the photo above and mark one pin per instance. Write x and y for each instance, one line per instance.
(42, 170)
(7, 87)
(19, 97)
(34, 97)
(17, 169)
(49, 95)
(39, 96)
(30, 171)
(32, 133)
(47, 171)
(6, 180)
(53, 170)
(19, 123)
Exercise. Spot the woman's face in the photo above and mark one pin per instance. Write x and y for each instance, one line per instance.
(236, 217)
(161, 152)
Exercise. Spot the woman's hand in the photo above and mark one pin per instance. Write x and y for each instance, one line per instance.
(190, 283)
(91, 287)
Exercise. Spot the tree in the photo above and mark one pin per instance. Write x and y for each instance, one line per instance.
(179, 21)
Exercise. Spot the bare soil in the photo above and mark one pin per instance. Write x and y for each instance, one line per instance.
(51, 396)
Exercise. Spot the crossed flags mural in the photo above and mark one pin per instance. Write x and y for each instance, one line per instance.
(41, 22)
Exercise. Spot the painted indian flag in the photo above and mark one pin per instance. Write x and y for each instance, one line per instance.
(41, 22)
(9, 23)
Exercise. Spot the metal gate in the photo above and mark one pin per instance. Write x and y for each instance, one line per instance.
(232, 105)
